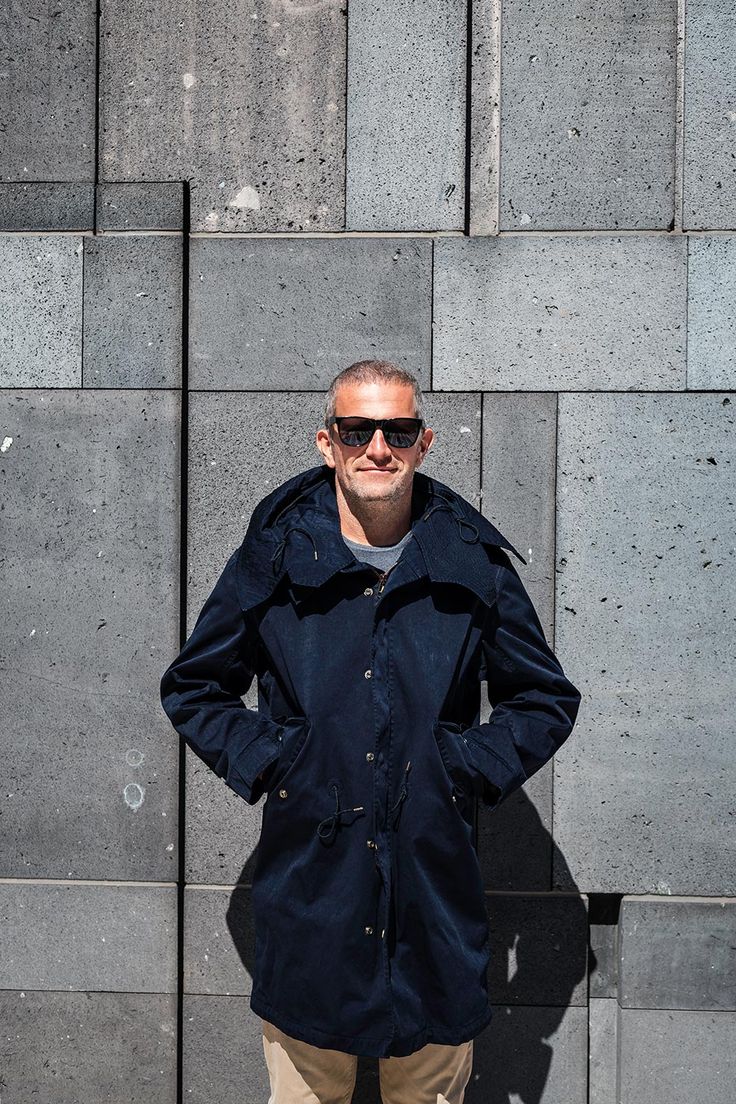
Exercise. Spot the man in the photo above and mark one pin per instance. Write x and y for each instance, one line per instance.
(370, 602)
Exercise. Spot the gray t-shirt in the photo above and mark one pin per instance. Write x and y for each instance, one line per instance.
(382, 556)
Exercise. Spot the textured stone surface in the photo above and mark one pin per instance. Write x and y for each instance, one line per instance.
(676, 1057)
(80, 1048)
(709, 185)
(291, 314)
(223, 1052)
(219, 942)
(241, 447)
(587, 115)
(246, 103)
(519, 447)
(602, 1055)
(678, 953)
(711, 313)
(47, 91)
(406, 115)
(47, 206)
(117, 938)
(645, 559)
(133, 311)
(485, 136)
(148, 206)
(90, 615)
(40, 310)
(594, 312)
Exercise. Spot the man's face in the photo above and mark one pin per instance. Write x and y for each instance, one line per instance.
(374, 472)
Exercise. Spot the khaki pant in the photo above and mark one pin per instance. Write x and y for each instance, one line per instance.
(305, 1074)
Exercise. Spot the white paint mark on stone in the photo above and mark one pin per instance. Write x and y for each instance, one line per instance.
(133, 794)
(7, 442)
(465, 429)
(188, 79)
(134, 757)
(247, 198)
(525, 218)
(33, 632)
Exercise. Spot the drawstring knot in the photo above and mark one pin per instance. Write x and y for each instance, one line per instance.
(278, 554)
(327, 828)
(459, 519)
(395, 809)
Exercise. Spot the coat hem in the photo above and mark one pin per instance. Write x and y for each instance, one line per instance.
(371, 1046)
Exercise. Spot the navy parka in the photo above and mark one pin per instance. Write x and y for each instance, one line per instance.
(371, 930)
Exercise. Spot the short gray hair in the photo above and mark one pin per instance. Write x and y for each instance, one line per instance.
(368, 371)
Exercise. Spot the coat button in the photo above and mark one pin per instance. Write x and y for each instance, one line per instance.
(369, 756)
(368, 930)
(368, 591)
(368, 673)
(371, 843)
(282, 793)
(383, 932)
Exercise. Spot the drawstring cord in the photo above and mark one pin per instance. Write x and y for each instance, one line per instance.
(459, 520)
(327, 828)
(278, 554)
(403, 793)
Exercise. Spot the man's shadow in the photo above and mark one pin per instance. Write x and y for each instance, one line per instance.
(537, 977)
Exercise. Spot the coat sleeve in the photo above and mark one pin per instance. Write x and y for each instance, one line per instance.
(201, 693)
(534, 705)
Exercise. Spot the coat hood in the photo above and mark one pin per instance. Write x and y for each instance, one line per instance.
(295, 531)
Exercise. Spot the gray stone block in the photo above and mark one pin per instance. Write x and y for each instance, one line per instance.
(531, 1054)
(274, 314)
(676, 1057)
(48, 91)
(80, 1048)
(587, 115)
(47, 206)
(709, 170)
(678, 953)
(153, 205)
(104, 937)
(248, 108)
(133, 311)
(223, 1052)
(40, 310)
(90, 620)
(579, 312)
(646, 515)
(539, 944)
(711, 314)
(485, 134)
(219, 942)
(602, 1051)
(406, 115)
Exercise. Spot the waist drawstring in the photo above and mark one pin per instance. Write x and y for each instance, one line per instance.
(327, 828)
(279, 553)
(395, 809)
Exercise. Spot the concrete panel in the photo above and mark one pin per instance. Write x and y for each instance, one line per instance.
(79, 1048)
(602, 1053)
(90, 575)
(531, 1054)
(646, 516)
(406, 115)
(485, 136)
(242, 446)
(47, 206)
(40, 311)
(593, 312)
(519, 444)
(711, 313)
(248, 105)
(223, 1052)
(103, 937)
(587, 115)
(291, 314)
(149, 206)
(678, 953)
(709, 182)
(539, 945)
(47, 94)
(219, 942)
(676, 1057)
(133, 311)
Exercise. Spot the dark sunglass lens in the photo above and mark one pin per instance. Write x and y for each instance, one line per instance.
(402, 432)
(355, 431)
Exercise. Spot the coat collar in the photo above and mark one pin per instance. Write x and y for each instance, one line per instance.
(295, 531)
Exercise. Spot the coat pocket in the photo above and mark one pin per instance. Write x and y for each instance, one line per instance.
(453, 748)
(293, 744)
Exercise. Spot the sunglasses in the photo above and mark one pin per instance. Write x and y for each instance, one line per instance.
(356, 432)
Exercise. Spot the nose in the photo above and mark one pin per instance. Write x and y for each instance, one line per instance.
(377, 445)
